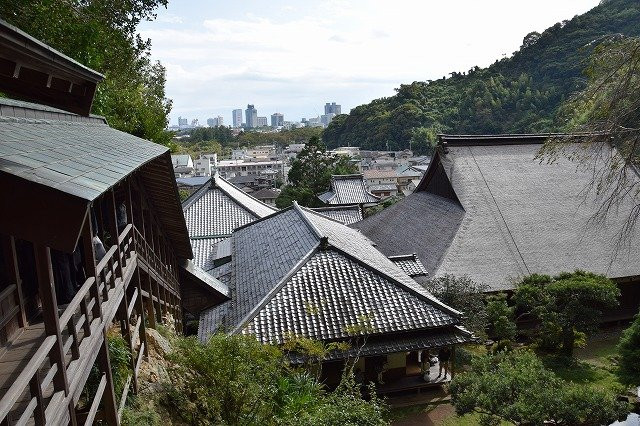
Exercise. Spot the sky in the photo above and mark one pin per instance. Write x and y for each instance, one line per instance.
(294, 56)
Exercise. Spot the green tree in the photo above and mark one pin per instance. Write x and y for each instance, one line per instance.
(500, 318)
(235, 380)
(102, 34)
(465, 295)
(629, 350)
(310, 174)
(566, 304)
(516, 387)
(606, 113)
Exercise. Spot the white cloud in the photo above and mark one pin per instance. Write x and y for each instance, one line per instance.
(293, 59)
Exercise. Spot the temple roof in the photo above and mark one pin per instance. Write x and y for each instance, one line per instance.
(487, 208)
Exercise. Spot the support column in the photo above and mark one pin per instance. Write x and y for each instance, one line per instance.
(46, 288)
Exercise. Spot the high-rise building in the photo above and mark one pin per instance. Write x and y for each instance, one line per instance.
(215, 122)
(237, 117)
(326, 118)
(183, 121)
(251, 114)
(332, 108)
(262, 122)
(277, 120)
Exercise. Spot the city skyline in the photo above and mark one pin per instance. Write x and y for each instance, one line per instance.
(290, 57)
(237, 117)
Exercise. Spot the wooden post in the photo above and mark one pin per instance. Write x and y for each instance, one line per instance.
(125, 329)
(108, 397)
(113, 230)
(150, 308)
(453, 360)
(46, 288)
(140, 308)
(11, 259)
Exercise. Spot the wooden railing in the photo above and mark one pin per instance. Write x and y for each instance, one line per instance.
(144, 250)
(80, 320)
(75, 325)
(8, 293)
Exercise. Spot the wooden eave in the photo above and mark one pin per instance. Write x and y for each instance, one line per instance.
(33, 71)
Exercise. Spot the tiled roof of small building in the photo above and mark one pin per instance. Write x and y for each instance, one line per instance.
(348, 189)
(214, 211)
(410, 264)
(343, 214)
(300, 272)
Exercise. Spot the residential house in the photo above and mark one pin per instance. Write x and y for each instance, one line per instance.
(267, 195)
(489, 209)
(93, 238)
(299, 274)
(182, 165)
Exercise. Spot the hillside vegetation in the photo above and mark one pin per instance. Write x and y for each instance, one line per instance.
(514, 95)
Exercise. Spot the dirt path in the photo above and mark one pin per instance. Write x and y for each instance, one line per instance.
(433, 417)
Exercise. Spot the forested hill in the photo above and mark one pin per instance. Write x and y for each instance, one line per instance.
(514, 95)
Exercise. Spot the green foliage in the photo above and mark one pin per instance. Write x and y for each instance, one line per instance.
(141, 412)
(102, 35)
(500, 318)
(310, 174)
(465, 295)
(235, 380)
(519, 94)
(566, 305)
(515, 386)
(120, 359)
(629, 350)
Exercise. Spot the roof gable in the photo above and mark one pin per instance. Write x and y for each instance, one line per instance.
(517, 216)
(331, 293)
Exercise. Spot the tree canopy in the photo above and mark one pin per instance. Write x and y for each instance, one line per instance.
(310, 174)
(566, 304)
(515, 386)
(629, 350)
(102, 34)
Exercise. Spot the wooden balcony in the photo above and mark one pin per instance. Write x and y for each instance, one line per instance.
(44, 368)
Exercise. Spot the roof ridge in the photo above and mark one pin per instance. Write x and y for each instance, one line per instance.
(196, 195)
(306, 220)
(283, 281)
(217, 177)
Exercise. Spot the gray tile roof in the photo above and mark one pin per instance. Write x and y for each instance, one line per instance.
(204, 250)
(298, 262)
(218, 207)
(78, 157)
(348, 189)
(383, 187)
(522, 216)
(343, 214)
(332, 292)
(422, 223)
(410, 264)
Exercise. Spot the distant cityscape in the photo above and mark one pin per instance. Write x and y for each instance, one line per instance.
(251, 120)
